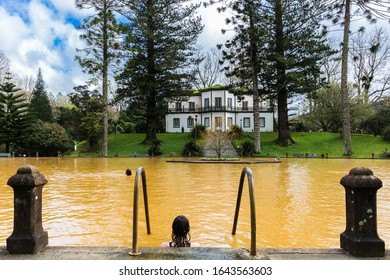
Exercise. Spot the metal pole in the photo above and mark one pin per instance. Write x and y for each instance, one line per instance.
(247, 171)
(140, 172)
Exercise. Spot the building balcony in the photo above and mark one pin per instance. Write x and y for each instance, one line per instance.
(238, 109)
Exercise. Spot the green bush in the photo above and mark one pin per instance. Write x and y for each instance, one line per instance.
(198, 132)
(247, 149)
(378, 123)
(235, 132)
(155, 148)
(46, 139)
(192, 148)
(386, 133)
(298, 127)
(385, 154)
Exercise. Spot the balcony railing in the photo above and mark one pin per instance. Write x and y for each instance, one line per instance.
(237, 109)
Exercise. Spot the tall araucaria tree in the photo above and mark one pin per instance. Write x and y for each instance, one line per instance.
(285, 45)
(39, 103)
(161, 38)
(243, 54)
(344, 10)
(14, 117)
(101, 33)
(297, 44)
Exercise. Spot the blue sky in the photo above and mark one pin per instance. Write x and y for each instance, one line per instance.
(43, 34)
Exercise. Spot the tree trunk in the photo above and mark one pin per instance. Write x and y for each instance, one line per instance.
(151, 120)
(105, 84)
(344, 82)
(255, 67)
(284, 136)
(151, 106)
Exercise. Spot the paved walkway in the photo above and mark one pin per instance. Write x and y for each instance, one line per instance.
(201, 253)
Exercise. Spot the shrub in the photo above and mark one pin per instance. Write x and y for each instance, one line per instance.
(155, 148)
(235, 132)
(192, 148)
(48, 139)
(247, 149)
(386, 133)
(378, 123)
(385, 154)
(198, 132)
(298, 127)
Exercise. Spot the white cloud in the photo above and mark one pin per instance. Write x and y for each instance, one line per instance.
(13, 29)
(66, 7)
(213, 22)
(39, 37)
(40, 34)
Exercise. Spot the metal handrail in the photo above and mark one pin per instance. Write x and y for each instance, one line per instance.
(140, 172)
(247, 171)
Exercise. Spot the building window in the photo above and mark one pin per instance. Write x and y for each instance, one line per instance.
(176, 122)
(218, 103)
(262, 122)
(218, 122)
(229, 121)
(245, 105)
(247, 122)
(206, 122)
(230, 103)
(191, 106)
(190, 122)
(207, 103)
(178, 107)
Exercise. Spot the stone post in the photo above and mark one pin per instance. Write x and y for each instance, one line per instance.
(28, 236)
(360, 237)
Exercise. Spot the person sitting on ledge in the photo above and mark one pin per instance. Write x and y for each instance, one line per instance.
(180, 234)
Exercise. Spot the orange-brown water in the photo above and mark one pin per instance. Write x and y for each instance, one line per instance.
(88, 201)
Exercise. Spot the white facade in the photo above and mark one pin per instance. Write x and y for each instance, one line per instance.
(216, 109)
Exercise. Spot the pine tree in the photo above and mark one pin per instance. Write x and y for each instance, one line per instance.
(39, 104)
(14, 117)
(102, 36)
(297, 44)
(279, 46)
(161, 36)
(243, 53)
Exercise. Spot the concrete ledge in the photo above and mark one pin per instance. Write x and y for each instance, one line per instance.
(223, 161)
(201, 253)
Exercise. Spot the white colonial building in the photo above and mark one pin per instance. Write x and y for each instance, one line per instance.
(216, 109)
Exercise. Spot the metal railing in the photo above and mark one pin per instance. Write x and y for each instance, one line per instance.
(217, 109)
(247, 171)
(140, 173)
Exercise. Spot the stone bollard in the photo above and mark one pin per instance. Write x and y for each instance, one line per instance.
(360, 237)
(28, 236)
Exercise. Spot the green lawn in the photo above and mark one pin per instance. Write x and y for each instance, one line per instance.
(124, 145)
(317, 143)
(323, 143)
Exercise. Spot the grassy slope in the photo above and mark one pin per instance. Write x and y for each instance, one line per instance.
(312, 142)
(124, 145)
(321, 143)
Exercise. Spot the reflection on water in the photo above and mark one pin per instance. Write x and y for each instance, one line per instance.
(88, 201)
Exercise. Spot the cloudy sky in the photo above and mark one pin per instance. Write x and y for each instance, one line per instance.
(43, 34)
